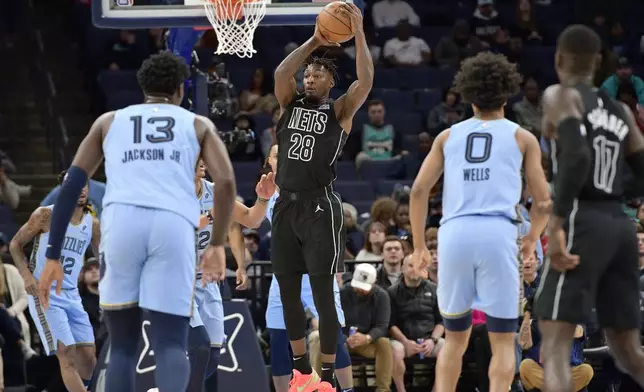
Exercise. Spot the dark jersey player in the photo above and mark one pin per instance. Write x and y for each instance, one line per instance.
(593, 250)
(308, 232)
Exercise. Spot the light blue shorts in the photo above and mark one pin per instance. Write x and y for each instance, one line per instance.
(275, 311)
(149, 258)
(209, 312)
(65, 321)
(479, 267)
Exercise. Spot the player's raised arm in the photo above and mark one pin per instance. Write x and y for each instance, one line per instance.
(429, 173)
(86, 161)
(215, 156)
(360, 89)
(37, 223)
(564, 109)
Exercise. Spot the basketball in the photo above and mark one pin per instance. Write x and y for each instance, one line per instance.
(334, 24)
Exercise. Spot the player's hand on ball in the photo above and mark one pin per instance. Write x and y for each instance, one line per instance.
(355, 15)
(52, 272)
(266, 186)
(241, 279)
(213, 264)
(320, 39)
(560, 259)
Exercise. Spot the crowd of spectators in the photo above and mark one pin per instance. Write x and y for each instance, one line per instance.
(416, 45)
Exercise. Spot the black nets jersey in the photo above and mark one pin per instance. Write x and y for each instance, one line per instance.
(605, 128)
(310, 140)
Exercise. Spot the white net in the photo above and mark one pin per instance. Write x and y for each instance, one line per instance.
(235, 22)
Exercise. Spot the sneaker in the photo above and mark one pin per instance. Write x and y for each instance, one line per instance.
(304, 382)
(326, 387)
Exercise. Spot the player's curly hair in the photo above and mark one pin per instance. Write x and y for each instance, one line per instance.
(61, 179)
(324, 63)
(487, 81)
(162, 73)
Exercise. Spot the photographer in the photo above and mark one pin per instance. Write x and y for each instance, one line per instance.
(241, 141)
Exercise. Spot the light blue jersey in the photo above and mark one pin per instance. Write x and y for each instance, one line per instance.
(482, 170)
(478, 238)
(150, 210)
(151, 151)
(65, 321)
(77, 240)
(275, 311)
(208, 307)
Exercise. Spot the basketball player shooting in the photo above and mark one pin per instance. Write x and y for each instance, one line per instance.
(593, 249)
(150, 213)
(308, 223)
(482, 159)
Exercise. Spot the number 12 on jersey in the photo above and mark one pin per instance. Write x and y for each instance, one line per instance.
(301, 148)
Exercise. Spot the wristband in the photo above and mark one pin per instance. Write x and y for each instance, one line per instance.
(262, 200)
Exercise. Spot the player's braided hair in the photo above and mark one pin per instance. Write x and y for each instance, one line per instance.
(61, 177)
(324, 63)
(162, 73)
(487, 81)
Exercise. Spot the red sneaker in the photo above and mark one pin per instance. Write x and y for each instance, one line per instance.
(304, 382)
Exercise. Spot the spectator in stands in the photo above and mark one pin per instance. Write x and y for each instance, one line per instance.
(94, 198)
(432, 269)
(405, 50)
(14, 327)
(626, 93)
(355, 237)
(401, 218)
(9, 192)
(446, 113)
(126, 53)
(624, 75)
(383, 210)
(416, 323)
(531, 369)
(458, 46)
(391, 270)
(251, 241)
(640, 241)
(375, 140)
(500, 42)
(485, 21)
(526, 26)
(599, 25)
(4, 244)
(431, 236)
(388, 13)
(607, 65)
(88, 290)
(374, 239)
(375, 50)
(366, 308)
(267, 137)
(640, 213)
(530, 276)
(528, 111)
(258, 97)
(618, 40)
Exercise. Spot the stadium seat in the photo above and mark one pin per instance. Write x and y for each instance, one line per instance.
(115, 100)
(117, 81)
(427, 99)
(241, 77)
(394, 99)
(354, 190)
(386, 78)
(375, 170)
(262, 121)
(363, 206)
(406, 122)
(346, 171)
(386, 187)
(247, 191)
(410, 143)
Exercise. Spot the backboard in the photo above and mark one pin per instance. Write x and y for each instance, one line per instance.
(133, 14)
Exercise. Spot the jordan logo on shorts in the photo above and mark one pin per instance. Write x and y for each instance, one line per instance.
(317, 209)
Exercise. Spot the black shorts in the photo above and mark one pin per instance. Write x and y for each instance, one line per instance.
(308, 233)
(607, 277)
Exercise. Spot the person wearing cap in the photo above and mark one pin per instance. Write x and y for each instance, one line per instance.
(367, 313)
(624, 75)
(416, 325)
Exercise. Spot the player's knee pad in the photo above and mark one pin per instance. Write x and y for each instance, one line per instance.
(501, 325)
(281, 364)
(342, 357)
(458, 324)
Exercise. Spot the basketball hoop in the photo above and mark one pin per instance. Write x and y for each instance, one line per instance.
(235, 22)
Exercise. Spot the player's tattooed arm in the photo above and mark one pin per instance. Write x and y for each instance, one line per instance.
(215, 156)
(37, 224)
(96, 237)
(428, 175)
(348, 104)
